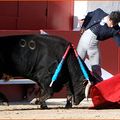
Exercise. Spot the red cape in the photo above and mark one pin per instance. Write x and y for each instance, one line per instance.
(106, 94)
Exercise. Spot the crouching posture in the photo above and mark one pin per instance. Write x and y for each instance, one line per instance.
(36, 57)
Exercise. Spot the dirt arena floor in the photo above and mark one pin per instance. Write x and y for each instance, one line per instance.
(23, 110)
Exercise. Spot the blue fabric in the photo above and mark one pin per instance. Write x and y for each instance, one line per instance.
(83, 69)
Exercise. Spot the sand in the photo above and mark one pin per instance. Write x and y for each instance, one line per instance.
(23, 110)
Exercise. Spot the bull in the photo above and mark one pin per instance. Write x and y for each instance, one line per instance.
(36, 57)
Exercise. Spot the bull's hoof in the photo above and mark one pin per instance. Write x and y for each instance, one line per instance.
(35, 101)
(4, 103)
(43, 106)
(68, 105)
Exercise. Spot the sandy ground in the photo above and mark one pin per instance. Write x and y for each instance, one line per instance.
(23, 110)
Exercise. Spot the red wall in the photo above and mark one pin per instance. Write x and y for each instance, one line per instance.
(35, 15)
(110, 56)
(60, 15)
(8, 15)
(12, 92)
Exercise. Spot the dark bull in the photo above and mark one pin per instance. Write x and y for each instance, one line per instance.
(36, 57)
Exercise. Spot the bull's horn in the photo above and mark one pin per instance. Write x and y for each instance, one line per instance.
(87, 89)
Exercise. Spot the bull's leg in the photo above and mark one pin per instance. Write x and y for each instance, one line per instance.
(69, 102)
(69, 98)
(43, 105)
(44, 95)
(36, 101)
(41, 100)
(40, 95)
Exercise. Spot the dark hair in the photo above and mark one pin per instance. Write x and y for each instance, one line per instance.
(115, 17)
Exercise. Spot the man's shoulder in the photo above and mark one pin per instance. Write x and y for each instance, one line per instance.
(100, 10)
(100, 13)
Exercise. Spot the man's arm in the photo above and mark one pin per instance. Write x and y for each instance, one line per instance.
(89, 17)
(116, 37)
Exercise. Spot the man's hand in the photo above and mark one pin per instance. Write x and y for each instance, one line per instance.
(82, 31)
